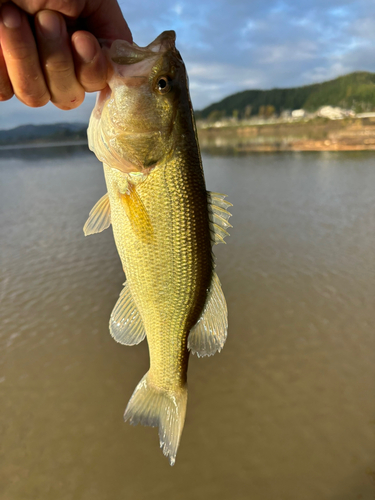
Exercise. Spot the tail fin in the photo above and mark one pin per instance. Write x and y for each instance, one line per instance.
(150, 405)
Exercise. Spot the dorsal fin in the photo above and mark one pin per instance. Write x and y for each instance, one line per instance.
(219, 216)
(99, 217)
(210, 332)
(126, 324)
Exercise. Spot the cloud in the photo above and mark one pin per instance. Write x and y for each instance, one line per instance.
(236, 45)
(232, 46)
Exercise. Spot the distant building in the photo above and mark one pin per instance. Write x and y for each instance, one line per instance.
(370, 114)
(286, 113)
(298, 113)
(333, 113)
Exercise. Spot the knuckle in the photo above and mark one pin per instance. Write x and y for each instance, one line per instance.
(69, 7)
(60, 68)
(20, 54)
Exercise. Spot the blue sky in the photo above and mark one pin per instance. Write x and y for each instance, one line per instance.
(233, 45)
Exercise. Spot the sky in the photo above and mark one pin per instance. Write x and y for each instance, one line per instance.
(234, 45)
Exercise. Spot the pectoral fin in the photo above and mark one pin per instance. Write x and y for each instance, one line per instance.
(99, 217)
(126, 324)
(219, 216)
(210, 332)
(137, 213)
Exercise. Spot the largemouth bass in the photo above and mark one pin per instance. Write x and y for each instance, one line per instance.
(164, 223)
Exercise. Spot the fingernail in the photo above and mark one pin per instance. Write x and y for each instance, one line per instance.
(49, 24)
(11, 16)
(85, 48)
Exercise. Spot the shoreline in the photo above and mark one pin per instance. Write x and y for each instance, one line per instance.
(355, 134)
(35, 145)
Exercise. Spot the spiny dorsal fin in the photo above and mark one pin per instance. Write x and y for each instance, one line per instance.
(99, 217)
(126, 324)
(219, 216)
(210, 332)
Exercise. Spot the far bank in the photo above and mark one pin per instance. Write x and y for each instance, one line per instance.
(351, 134)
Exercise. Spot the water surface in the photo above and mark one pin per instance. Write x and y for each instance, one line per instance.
(285, 412)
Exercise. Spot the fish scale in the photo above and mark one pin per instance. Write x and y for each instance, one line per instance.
(168, 270)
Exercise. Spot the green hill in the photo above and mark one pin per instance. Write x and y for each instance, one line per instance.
(53, 132)
(353, 91)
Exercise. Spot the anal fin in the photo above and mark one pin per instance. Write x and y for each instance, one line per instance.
(125, 324)
(99, 217)
(210, 332)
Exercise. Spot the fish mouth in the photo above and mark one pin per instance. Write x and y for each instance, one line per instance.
(134, 63)
(125, 53)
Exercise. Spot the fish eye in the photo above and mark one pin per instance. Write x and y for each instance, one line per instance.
(163, 85)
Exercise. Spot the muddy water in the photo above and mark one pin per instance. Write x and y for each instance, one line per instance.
(285, 412)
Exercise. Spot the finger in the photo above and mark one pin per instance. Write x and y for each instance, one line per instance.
(6, 90)
(21, 57)
(107, 21)
(90, 62)
(57, 60)
(103, 18)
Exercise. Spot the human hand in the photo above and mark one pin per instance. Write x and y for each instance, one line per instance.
(47, 62)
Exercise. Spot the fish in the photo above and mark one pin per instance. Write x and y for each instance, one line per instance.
(164, 223)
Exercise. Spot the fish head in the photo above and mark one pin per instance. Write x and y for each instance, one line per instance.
(134, 121)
